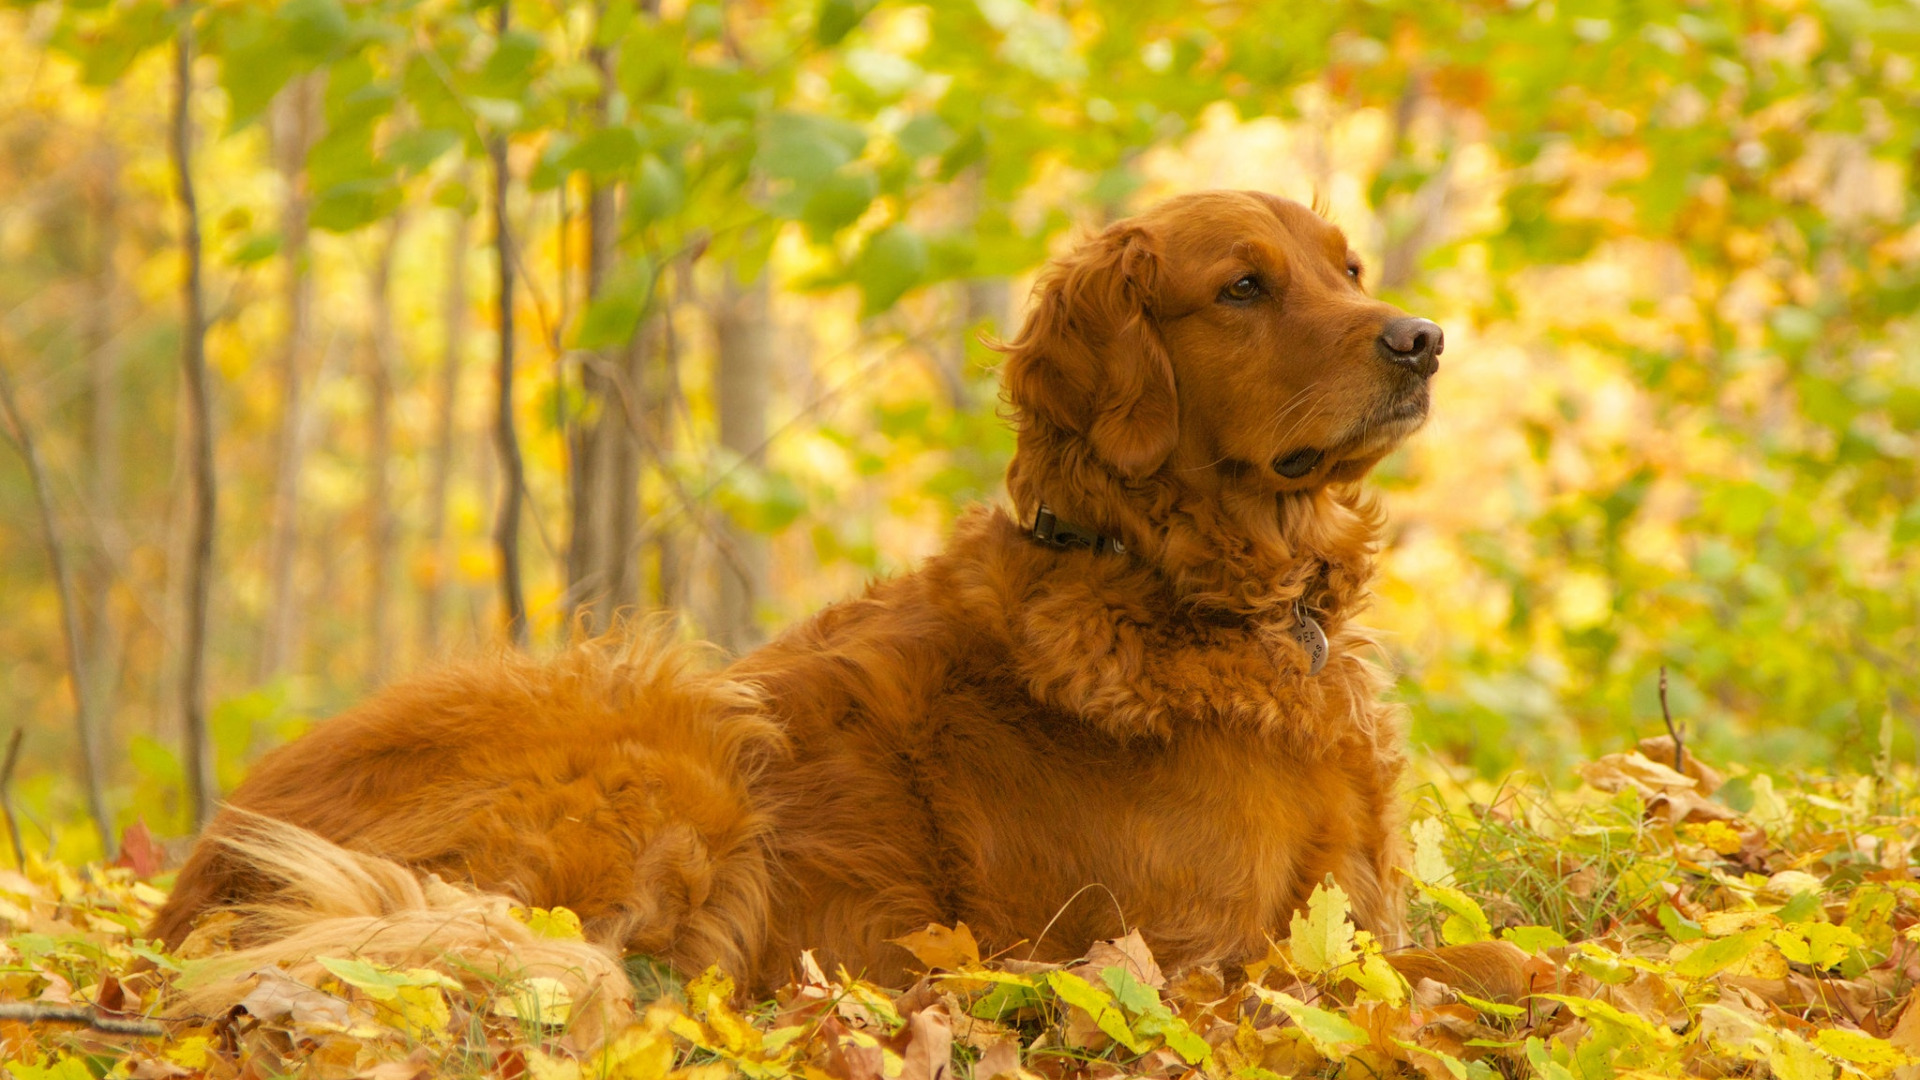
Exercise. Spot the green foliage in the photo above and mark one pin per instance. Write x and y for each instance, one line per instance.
(1673, 243)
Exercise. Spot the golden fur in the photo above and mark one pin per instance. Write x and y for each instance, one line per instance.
(1049, 745)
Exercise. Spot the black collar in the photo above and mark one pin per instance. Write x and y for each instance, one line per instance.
(1049, 529)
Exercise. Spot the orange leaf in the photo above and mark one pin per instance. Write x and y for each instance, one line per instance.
(939, 947)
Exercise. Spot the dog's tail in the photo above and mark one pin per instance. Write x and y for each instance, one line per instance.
(329, 903)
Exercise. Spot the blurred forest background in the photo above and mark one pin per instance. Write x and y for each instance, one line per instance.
(746, 250)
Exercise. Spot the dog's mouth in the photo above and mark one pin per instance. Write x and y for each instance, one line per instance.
(1367, 439)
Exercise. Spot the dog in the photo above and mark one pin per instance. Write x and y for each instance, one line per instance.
(1138, 700)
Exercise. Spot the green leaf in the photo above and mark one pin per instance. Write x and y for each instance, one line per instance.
(837, 19)
(1678, 926)
(1330, 1033)
(1083, 995)
(109, 49)
(1533, 939)
(657, 192)
(413, 151)
(1543, 1064)
(1717, 955)
(354, 204)
(605, 153)
(807, 149)
(615, 311)
(1136, 996)
(314, 28)
(256, 61)
(1466, 923)
(893, 261)
(257, 248)
(510, 66)
(838, 201)
(1174, 1031)
(383, 983)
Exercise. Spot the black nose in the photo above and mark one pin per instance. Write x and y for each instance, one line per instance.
(1415, 344)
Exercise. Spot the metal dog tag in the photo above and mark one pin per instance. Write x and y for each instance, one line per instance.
(1313, 639)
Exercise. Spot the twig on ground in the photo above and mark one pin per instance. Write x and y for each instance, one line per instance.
(78, 1014)
(1679, 747)
(6, 797)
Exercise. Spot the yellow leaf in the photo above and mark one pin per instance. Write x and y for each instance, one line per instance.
(542, 1066)
(538, 999)
(1375, 977)
(1600, 1014)
(939, 947)
(1726, 923)
(1860, 1048)
(1716, 835)
(1323, 940)
(556, 922)
(1769, 810)
(1465, 923)
(1429, 853)
(1816, 944)
(636, 1054)
(713, 986)
(417, 1010)
(192, 1052)
(1793, 1058)
(1699, 959)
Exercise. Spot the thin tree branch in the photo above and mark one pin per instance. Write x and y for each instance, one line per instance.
(1679, 747)
(201, 785)
(6, 797)
(78, 1014)
(83, 717)
(506, 527)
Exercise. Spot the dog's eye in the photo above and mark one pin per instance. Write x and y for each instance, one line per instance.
(1353, 269)
(1241, 291)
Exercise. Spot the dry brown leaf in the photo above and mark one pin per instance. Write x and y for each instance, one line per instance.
(395, 1070)
(999, 1058)
(1660, 748)
(1130, 952)
(276, 998)
(929, 1051)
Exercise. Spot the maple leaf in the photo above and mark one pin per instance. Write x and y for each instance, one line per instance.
(938, 947)
(1322, 940)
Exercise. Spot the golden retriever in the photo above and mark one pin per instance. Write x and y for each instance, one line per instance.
(1136, 700)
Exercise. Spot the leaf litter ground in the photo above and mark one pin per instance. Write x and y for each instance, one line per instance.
(1668, 922)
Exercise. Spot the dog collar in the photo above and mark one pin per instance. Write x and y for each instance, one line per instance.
(1049, 529)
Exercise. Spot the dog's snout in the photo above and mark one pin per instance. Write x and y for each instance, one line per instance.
(1413, 343)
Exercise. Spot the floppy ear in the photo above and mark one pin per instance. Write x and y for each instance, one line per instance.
(1090, 359)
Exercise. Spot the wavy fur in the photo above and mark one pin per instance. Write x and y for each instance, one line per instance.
(1050, 745)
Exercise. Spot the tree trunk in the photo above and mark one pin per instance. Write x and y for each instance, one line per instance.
(202, 788)
(743, 333)
(99, 632)
(83, 715)
(292, 131)
(506, 525)
(382, 355)
(659, 400)
(453, 320)
(602, 563)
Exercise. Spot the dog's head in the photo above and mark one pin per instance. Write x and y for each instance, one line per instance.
(1220, 342)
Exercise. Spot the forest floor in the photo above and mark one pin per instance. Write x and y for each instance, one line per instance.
(1691, 922)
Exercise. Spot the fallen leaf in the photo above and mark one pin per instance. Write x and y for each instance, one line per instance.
(940, 948)
(929, 1051)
